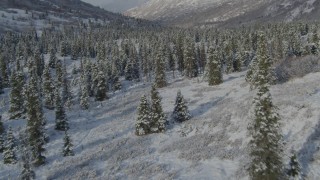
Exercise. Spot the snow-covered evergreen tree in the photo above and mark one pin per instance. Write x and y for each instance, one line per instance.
(48, 88)
(74, 51)
(38, 62)
(294, 171)
(143, 119)
(52, 59)
(61, 117)
(158, 120)
(2, 133)
(63, 49)
(260, 68)
(84, 95)
(16, 109)
(35, 121)
(9, 155)
(66, 93)
(180, 112)
(4, 71)
(1, 85)
(266, 143)
(214, 67)
(190, 62)
(160, 76)
(237, 62)
(27, 173)
(228, 54)
(67, 146)
(101, 89)
(129, 70)
(59, 73)
(115, 79)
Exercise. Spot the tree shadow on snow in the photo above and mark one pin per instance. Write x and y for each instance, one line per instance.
(205, 107)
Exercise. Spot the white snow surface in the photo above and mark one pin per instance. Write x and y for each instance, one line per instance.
(211, 145)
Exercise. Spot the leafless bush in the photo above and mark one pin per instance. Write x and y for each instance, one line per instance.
(296, 67)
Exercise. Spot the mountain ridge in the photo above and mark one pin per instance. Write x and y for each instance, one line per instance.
(27, 14)
(225, 12)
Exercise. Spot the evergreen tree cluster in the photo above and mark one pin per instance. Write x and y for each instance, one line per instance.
(34, 71)
(151, 118)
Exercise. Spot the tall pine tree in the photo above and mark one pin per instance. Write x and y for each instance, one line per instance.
(143, 119)
(158, 120)
(9, 155)
(180, 112)
(61, 117)
(48, 88)
(160, 76)
(67, 146)
(16, 109)
(2, 133)
(214, 67)
(266, 143)
(35, 121)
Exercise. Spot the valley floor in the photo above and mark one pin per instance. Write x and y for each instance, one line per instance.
(212, 145)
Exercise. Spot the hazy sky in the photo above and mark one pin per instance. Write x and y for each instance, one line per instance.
(116, 5)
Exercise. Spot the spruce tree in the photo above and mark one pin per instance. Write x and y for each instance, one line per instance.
(35, 121)
(16, 109)
(38, 62)
(63, 49)
(214, 68)
(143, 120)
(59, 74)
(66, 94)
(129, 70)
(160, 76)
(179, 52)
(52, 59)
(4, 71)
(2, 133)
(27, 173)
(266, 143)
(48, 88)
(1, 85)
(74, 51)
(265, 146)
(180, 112)
(61, 118)
(101, 88)
(84, 95)
(67, 146)
(9, 155)
(294, 171)
(190, 62)
(115, 79)
(158, 120)
(260, 68)
(228, 54)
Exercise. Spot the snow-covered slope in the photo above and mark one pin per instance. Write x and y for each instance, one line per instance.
(26, 14)
(199, 12)
(211, 145)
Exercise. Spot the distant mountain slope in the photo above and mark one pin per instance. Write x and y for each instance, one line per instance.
(19, 15)
(217, 12)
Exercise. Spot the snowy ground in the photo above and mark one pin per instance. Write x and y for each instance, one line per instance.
(212, 145)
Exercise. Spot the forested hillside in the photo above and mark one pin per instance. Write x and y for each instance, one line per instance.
(71, 107)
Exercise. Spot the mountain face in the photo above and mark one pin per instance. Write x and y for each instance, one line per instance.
(18, 15)
(225, 12)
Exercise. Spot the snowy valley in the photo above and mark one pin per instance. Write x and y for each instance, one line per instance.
(90, 94)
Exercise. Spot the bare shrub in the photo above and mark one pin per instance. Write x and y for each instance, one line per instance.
(291, 68)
